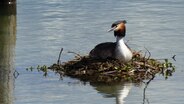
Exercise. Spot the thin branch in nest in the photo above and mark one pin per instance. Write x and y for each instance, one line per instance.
(78, 55)
(58, 61)
(149, 53)
(145, 65)
(109, 72)
(145, 55)
(145, 60)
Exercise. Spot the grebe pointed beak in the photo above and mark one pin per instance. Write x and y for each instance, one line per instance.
(112, 29)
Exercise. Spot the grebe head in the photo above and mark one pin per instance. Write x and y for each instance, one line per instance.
(119, 28)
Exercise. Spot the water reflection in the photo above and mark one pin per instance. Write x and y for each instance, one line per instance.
(7, 45)
(119, 91)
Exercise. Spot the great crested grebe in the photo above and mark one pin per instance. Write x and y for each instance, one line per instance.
(116, 50)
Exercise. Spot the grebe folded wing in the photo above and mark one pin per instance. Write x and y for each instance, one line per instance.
(103, 50)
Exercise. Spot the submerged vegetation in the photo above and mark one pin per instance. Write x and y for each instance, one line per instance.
(141, 67)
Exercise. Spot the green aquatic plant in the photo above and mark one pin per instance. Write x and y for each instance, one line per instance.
(167, 68)
(39, 68)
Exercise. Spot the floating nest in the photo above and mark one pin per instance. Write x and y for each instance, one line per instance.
(111, 70)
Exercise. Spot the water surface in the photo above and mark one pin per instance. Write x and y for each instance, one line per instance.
(43, 27)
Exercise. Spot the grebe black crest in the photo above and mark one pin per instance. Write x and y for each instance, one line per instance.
(116, 50)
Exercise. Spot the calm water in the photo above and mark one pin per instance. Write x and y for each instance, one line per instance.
(41, 27)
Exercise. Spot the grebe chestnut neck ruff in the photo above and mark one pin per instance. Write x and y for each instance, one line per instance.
(116, 50)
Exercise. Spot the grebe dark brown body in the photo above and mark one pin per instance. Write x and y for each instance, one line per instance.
(117, 50)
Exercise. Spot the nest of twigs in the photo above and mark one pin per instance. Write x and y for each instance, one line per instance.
(111, 70)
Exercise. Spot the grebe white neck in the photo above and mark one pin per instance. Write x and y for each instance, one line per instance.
(122, 52)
